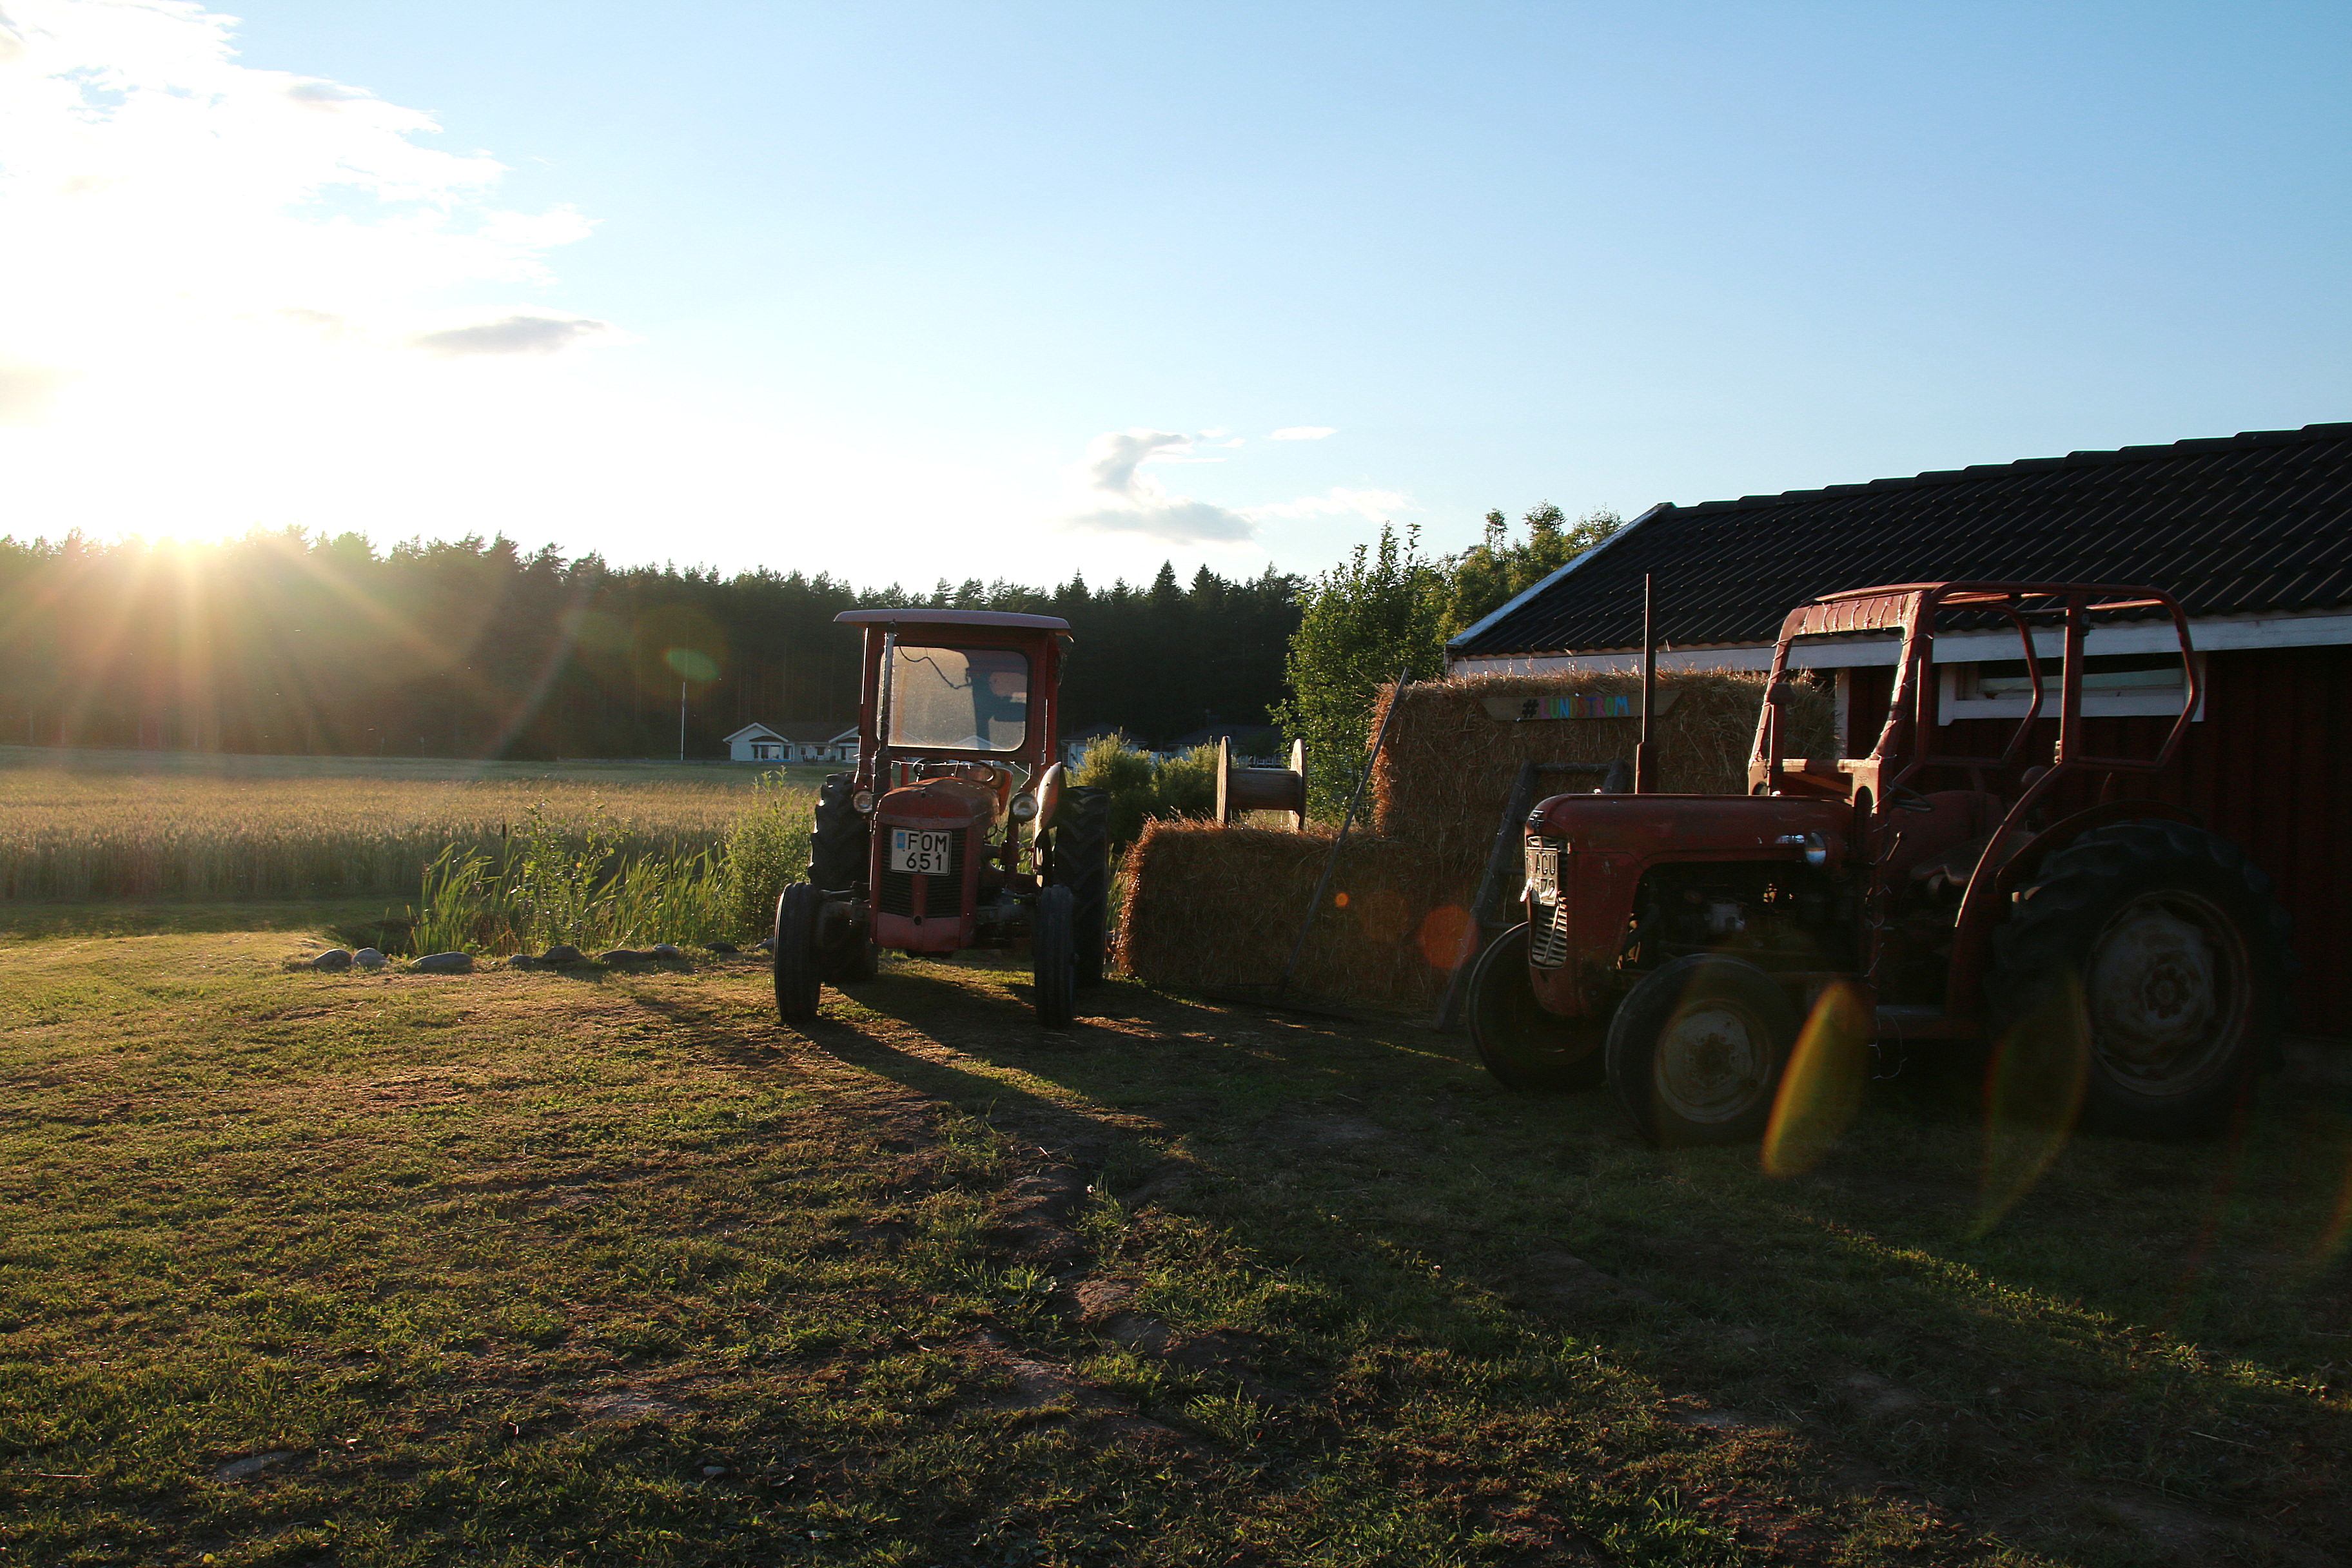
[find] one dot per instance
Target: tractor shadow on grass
(1901, 1299)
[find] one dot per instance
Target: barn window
(2121, 685)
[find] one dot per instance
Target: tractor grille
(895, 896)
(1548, 909)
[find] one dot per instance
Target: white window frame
(1957, 680)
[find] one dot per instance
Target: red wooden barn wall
(2270, 769)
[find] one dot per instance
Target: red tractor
(955, 831)
(1676, 945)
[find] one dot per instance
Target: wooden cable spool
(1243, 790)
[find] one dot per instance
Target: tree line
(303, 643)
(298, 642)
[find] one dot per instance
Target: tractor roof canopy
(920, 618)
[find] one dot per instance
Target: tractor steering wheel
(1902, 797)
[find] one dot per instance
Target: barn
(2251, 533)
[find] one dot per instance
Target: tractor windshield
(972, 699)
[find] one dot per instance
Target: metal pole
(1646, 756)
(681, 720)
(1332, 862)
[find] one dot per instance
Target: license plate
(1543, 869)
(924, 853)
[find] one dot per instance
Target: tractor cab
(954, 831)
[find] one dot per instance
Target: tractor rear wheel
(1523, 1046)
(2147, 963)
(1053, 960)
(798, 977)
(1696, 1049)
(838, 837)
(1082, 863)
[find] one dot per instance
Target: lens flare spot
(1339, 900)
(2331, 1243)
(2034, 1092)
(1448, 937)
(1822, 1088)
(690, 664)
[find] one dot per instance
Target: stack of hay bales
(1209, 906)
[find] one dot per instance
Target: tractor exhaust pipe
(1645, 755)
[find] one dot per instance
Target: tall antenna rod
(1645, 755)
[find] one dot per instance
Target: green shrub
(768, 846)
(1143, 787)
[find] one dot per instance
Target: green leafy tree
(1378, 611)
(1485, 577)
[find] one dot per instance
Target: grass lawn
(526, 1268)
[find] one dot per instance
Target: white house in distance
(794, 743)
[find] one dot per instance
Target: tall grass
(84, 836)
(564, 881)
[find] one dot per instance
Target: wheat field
(93, 825)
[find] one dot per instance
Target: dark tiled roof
(2257, 521)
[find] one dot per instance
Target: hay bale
(1448, 767)
(1209, 906)
(1213, 906)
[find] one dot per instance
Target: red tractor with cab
(955, 831)
(2012, 897)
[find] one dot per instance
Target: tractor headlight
(863, 800)
(1025, 806)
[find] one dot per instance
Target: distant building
(811, 741)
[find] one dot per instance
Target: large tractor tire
(1696, 1050)
(1053, 956)
(2147, 964)
(799, 972)
(838, 845)
(1081, 857)
(1520, 1044)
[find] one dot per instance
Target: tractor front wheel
(851, 956)
(1055, 963)
(1082, 863)
(1696, 1049)
(2145, 971)
(1518, 1042)
(799, 972)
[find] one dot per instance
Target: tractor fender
(1984, 908)
(2023, 865)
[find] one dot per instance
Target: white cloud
(516, 332)
(210, 270)
(1117, 497)
(1303, 433)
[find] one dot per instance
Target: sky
(899, 291)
